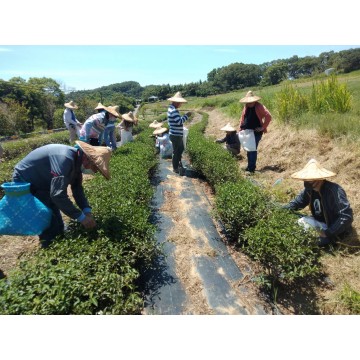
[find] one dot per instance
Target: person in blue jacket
(50, 169)
(331, 214)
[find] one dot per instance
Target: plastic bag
(185, 135)
(247, 139)
(21, 213)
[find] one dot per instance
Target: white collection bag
(185, 135)
(247, 139)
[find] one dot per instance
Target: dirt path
(198, 275)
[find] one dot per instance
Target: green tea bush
(209, 158)
(96, 271)
(239, 205)
(285, 250)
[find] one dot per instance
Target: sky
(159, 42)
(83, 67)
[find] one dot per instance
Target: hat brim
(155, 126)
(111, 111)
(312, 172)
(128, 118)
(98, 155)
(249, 99)
(67, 105)
(159, 131)
(176, 99)
(228, 128)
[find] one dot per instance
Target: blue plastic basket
(20, 212)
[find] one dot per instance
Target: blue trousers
(252, 155)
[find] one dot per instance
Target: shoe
(176, 171)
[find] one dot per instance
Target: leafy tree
(274, 74)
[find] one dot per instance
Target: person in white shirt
(165, 145)
(126, 127)
(70, 120)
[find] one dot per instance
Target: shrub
(285, 250)
(239, 205)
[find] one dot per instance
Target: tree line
(38, 102)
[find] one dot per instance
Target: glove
(88, 222)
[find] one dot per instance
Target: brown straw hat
(312, 171)
(155, 124)
(177, 98)
(249, 98)
(98, 155)
(228, 127)
(129, 117)
(160, 131)
(99, 106)
(111, 110)
(71, 105)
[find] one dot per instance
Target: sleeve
(59, 188)
(59, 196)
(342, 212)
(242, 117)
(300, 202)
(264, 116)
(88, 127)
(79, 195)
(176, 118)
(221, 140)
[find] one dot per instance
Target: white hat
(177, 98)
(228, 127)
(312, 171)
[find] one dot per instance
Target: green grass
(345, 125)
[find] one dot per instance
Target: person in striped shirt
(176, 127)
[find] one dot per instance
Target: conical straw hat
(312, 171)
(130, 117)
(155, 124)
(99, 106)
(71, 105)
(98, 155)
(249, 98)
(159, 131)
(111, 110)
(228, 127)
(177, 98)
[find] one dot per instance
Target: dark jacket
(336, 207)
(231, 139)
(51, 169)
